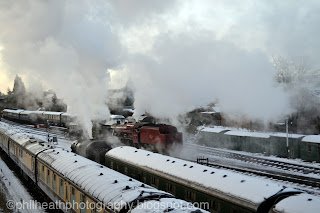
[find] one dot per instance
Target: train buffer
(203, 161)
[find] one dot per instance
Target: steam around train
(148, 135)
(157, 137)
(82, 185)
(142, 134)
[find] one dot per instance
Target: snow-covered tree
(295, 71)
(301, 82)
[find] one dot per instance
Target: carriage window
(67, 193)
(190, 195)
(48, 177)
(73, 195)
(154, 181)
(95, 210)
(83, 208)
(73, 191)
(309, 148)
(61, 188)
(138, 177)
(54, 182)
(234, 210)
(43, 173)
(212, 204)
(171, 187)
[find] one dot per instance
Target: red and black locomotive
(147, 135)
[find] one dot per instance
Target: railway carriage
(25, 116)
(12, 114)
(225, 191)
(278, 145)
(53, 118)
(35, 117)
(310, 148)
(4, 142)
(77, 181)
(65, 119)
(306, 147)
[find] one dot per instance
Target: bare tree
(301, 83)
(292, 71)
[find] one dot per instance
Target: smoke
(196, 53)
(177, 54)
(67, 46)
(198, 70)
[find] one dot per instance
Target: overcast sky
(181, 52)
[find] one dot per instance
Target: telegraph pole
(47, 126)
(287, 131)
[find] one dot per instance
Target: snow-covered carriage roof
(251, 190)
(245, 132)
(284, 135)
(26, 112)
(248, 134)
(52, 113)
(311, 139)
(17, 111)
(300, 203)
(216, 129)
(104, 184)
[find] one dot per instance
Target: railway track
(53, 131)
(303, 175)
(281, 165)
(306, 181)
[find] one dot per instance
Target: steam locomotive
(148, 135)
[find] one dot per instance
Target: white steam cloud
(177, 54)
(67, 46)
(201, 70)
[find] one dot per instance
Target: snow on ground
(262, 156)
(15, 191)
(202, 151)
(247, 132)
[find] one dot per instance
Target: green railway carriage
(214, 137)
(278, 145)
(248, 141)
(310, 148)
(222, 190)
(305, 147)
